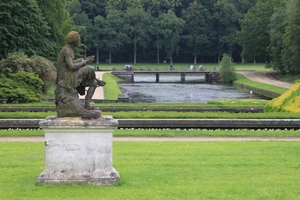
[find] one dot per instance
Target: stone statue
(73, 76)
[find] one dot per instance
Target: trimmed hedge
(287, 102)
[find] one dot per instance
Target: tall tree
(171, 27)
(115, 37)
(74, 7)
(227, 18)
(137, 28)
(276, 32)
(136, 22)
(197, 28)
(157, 38)
(156, 8)
(254, 37)
(99, 31)
(93, 8)
(291, 37)
(23, 28)
(58, 18)
(83, 25)
(243, 6)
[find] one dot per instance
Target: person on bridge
(200, 68)
(192, 67)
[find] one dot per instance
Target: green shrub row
(162, 115)
(287, 102)
(226, 103)
(165, 132)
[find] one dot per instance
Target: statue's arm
(78, 60)
(74, 64)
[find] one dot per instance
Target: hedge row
(287, 102)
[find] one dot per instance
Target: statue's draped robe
(70, 75)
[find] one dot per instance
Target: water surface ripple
(182, 92)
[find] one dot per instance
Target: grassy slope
(111, 90)
(263, 86)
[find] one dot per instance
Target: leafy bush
(287, 102)
(20, 87)
(44, 68)
(227, 70)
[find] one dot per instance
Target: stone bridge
(210, 76)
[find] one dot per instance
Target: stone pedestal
(79, 151)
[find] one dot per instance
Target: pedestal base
(95, 178)
(79, 151)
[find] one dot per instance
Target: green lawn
(241, 79)
(111, 90)
(166, 170)
(174, 132)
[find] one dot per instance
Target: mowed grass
(173, 133)
(166, 170)
(113, 91)
(242, 80)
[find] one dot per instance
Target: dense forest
(137, 31)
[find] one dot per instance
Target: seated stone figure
(72, 79)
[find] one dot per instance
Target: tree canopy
(23, 28)
(132, 31)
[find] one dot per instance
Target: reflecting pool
(183, 92)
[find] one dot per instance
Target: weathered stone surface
(78, 122)
(79, 151)
(95, 178)
(176, 123)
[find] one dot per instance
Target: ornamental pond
(170, 90)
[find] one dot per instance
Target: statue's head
(73, 37)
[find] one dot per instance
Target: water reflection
(180, 93)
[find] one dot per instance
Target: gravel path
(165, 139)
(264, 77)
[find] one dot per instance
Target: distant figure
(200, 68)
(128, 67)
(171, 68)
(165, 62)
(192, 68)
